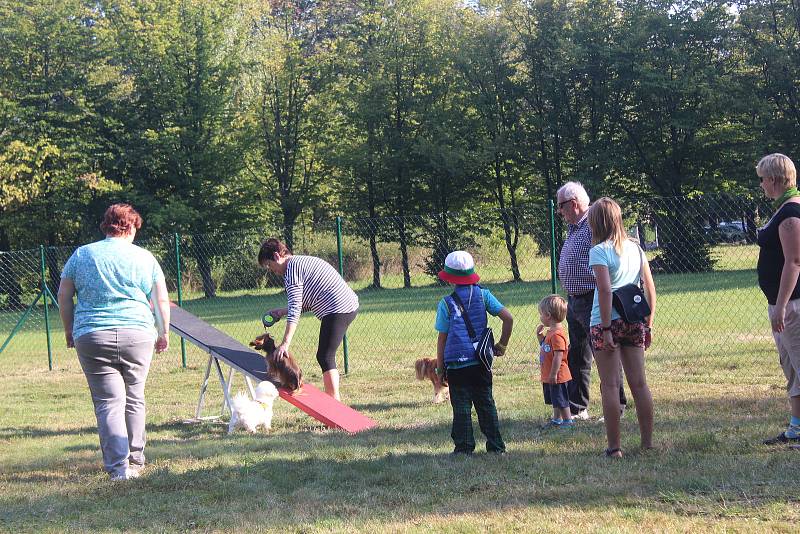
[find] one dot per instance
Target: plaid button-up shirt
(574, 272)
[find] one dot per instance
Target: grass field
(713, 370)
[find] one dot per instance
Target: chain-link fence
(710, 320)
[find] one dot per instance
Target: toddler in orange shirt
(553, 359)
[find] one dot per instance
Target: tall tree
(672, 67)
(289, 58)
(181, 61)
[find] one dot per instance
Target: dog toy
(268, 320)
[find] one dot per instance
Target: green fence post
(45, 293)
(341, 272)
(180, 291)
(551, 209)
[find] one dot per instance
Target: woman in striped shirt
(312, 284)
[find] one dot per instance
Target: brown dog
(284, 371)
(426, 368)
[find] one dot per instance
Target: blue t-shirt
(113, 281)
(622, 270)
(493, 306)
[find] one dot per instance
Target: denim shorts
(556, 395)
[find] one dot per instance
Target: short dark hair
(119, 219)
(269, 248)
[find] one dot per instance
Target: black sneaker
(781, 439)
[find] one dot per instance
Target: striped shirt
(313, 284)
(576, 277)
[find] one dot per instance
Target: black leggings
(331, 334)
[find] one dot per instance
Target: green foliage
(212, 115)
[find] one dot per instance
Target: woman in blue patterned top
(114, 332)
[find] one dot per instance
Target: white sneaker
(602, 419)
(582, 415)
(129, 474)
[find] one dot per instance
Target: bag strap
(464, 315)
(641, 264)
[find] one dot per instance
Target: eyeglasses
(561, 204)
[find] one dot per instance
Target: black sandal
(611, 452)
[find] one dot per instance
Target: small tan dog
(284, 371)
(426, 368)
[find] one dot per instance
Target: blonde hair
(554, 306)
(605, 221)
(778, 168)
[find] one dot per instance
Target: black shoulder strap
(464, 315)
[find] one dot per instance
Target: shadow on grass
(708, 455)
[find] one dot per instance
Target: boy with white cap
(470, 381)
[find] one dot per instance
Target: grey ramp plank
(219, 343)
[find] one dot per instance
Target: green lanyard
(789, 193)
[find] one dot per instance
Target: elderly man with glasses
(577, 280)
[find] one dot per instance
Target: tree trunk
(403, 238)
(373, 241)
(51, 262)
(9, 284)
(203, 257)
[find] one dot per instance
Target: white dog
(250, 414)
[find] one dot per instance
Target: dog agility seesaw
(223, 348)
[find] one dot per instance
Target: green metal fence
(710, 320)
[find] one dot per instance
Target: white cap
(459, 260)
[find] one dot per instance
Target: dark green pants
(472, 386)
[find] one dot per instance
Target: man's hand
(70, 341)
(778, 318)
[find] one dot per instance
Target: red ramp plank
(309, 399)
(325, 408)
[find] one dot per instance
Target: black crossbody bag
(484, 346)
(629, 300)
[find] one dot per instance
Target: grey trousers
(116, 363)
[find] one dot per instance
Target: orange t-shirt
(555, 340)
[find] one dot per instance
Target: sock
(793, 431)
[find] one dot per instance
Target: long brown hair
(605, 221)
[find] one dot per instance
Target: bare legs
(794, 404)
(608, 367)
(331, 380)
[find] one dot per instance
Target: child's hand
(540, 332)
(553, 380)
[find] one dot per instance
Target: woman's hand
(281, 351)
(648, 338)
(278, 313)
(778, 318)
(162, 343)
(608, 340)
